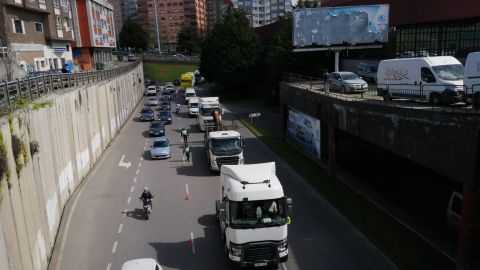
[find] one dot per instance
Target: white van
(437, 79)
(472, 77)
(189, 93)
(193, 106)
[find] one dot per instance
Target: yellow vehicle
(186, 81)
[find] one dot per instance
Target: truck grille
(209, 123)
(227, 161)
(259, 253)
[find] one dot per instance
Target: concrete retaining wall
(72, 133)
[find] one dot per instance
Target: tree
(133, 35)
(188, 40)
(230, 53)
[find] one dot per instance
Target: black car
(164, 106)
(157, 128)
(167, 95)
(176, 82)
(165, 117)
(146, 114)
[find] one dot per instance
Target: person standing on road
(184, 136)
(186, 152)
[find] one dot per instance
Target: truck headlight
(283, 246)
(169, 119)
(236, 251)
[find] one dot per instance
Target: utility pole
(156, 25)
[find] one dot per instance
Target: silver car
(160, 148)
(346, 82)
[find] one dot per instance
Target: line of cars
(160, 148)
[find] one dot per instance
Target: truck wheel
(435, 99)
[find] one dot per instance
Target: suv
(151, 90)
(368, 71)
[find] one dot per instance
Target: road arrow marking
(126, 165)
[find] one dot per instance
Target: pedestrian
(186, 152)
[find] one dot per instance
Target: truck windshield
(257, 214)
(226, 147)
(189, 94)
(449, 72)
(207, 111)
(193, 105)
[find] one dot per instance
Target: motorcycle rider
(177, 107)
(146, 197)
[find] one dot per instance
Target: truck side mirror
(289, 206)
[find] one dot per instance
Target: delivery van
(438, 79)
(472, 78)
(189, 93)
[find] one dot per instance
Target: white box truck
(223, 147)
(193, 106)
(205, 107)
(472, 78)
(253, 213)
(437, 79)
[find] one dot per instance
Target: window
(58, 22)
(18, 26)
(67, 47)
(56, 3)
(39, 27)
(427, 75)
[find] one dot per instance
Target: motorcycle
(147, 208)
(177, 109)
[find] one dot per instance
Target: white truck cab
(223, 147)
(189, 93)
(253, 213)
(205, 107)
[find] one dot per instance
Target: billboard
(340, 25)
(305, 131)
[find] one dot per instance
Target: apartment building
(37, 32)
(95, 31)
(117, 15)
(263, 12)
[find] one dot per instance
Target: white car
(141, 264)
(151, 90)
(153, 101)
(169, 87)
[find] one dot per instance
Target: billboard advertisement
(305, 131)
(340, 25)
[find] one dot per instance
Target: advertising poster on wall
(305, 131)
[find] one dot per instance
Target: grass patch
(165, 71)
(406, 249)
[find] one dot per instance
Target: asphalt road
(106, 228)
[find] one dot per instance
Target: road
(103, 227)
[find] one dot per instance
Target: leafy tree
(188, 40)
(133, 35)
(230, 53)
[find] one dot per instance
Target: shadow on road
(137, 213)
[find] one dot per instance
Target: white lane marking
(146, 143)
(186, 187)
(109, 266)
(129, 199)
(140, 164)
(193, 242)
(126, 165)
(120, 228)
(145, 148)
(141, 158)
(125, 212)
(135, 180)
(137, 171)
(114, 249)
(132, 188)
(284, 267)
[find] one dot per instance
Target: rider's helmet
(145, 189)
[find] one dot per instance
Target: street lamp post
(156, 25)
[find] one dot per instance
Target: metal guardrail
(405, 96)
(33, 88)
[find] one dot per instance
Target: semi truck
(253, 213)
(206, 105)
(223, 146)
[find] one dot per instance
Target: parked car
(347, 82)
(153, 101)
(165, 106)
(165, 117)
(368, 71)
(151, 90)
(131, 58)
(156, 128)
(160, 148)
(141, 264)
(147, 114)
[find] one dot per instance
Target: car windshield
(207, 111)
(146, 111)
(349, 76)
(193, 105)
(449, 72)
(164, 114)
(160, 144)
(190, 94)
(156, 125)
(262, 213)
(224, 147)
